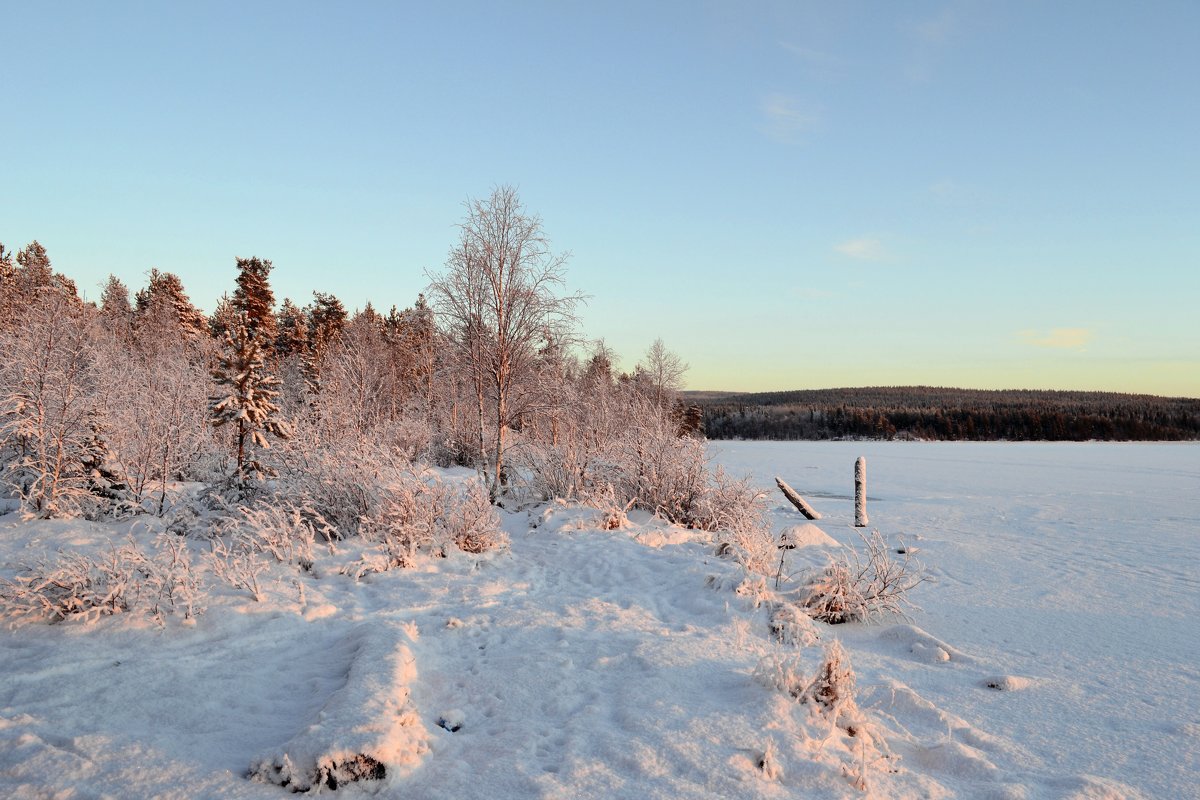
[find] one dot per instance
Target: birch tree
(47, 379)
(500, 297)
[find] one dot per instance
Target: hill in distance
(928, 412)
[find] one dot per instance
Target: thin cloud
(946, 190)
(941, 27)
(932, 36)
(785, 119)
(1058, 338)
(818, 61)
(864, 249)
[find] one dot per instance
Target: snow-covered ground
(624, 663)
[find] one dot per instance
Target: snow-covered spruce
(367, 729)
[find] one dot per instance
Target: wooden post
(795, 499)
(860, 492)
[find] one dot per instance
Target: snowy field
(1055, 653)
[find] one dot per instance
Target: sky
(790, 194)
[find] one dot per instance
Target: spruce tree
(246, 397)
(115, 309)
(291, 327)
(165, 288)
(326, 320)
(222, 319)
(8, 288)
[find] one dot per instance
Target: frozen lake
(1074, 565)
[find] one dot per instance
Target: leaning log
(796, 500)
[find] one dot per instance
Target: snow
(1054, 654)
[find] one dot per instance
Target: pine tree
(103, 479)
(254, 298)
(326, 321)
(8, 270)
(246, 397)
(114, 299)
(36, 273)
(35, 268)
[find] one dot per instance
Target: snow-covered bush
(238, 564)
(661, 473)
(335, 482)
(729, 504)
(447, 449)
(284, 529)
(471, 522)
(790, 625)
(861, 587)
(782, 672)
(170, 582)
(612, 515)
(413, 514)
(735, 511)
(831, 690)
(405, 518)
(77, 586)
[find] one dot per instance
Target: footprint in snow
(452, 720)
(1007, 683)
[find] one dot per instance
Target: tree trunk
(860, 493)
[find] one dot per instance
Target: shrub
(237, 563)
(76, 586)
(414, 514)
(471, 522)
(832, 688)
(335, 483)
(862, 587)
(781, 672)
(284, 528)
(790, 625)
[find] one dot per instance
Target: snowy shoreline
(598, 663)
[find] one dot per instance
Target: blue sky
(791, 195)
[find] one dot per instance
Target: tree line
(103, 406)
(925, 412)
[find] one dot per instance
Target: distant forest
(924, 412)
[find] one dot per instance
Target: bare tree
(47, 381)
(499, 298)
(155, 389)
(664, 371)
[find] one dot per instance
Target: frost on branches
(246, 399)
